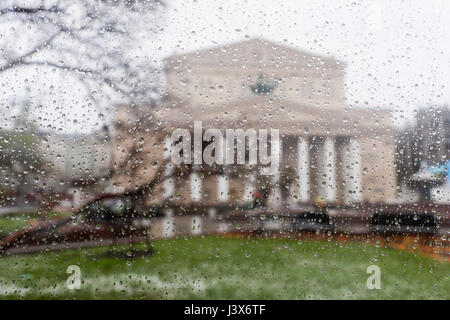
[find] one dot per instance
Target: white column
(303, 169)
(275, 200)
(351, 163)
(294, 197)
(250, 188)
(169, 182)
(196, 225)
(223, 188)
(76, 198)
(196, 186)
(330, 169)
(168, 225)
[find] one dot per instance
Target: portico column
(352, 166)
(330, 169)
(275, 198)
(250, 187)
(223, 188)
(168, 183)
(195, 185)
(303, 169)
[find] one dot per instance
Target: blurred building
(81, 158)
(433, 131)
(425, 144)
(329, 151)
(426, 141)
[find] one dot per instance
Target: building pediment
(239, 71)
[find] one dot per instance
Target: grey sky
(397, 52)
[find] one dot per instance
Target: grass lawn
(224, 268)
(11, 223)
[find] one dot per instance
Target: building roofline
(309, 53)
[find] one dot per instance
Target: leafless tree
(90, 39)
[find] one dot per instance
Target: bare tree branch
(20, 60)
(109, 81)
(94, 47)
(26, 10)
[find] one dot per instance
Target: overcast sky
(397, 52)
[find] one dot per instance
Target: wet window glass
(168, 149)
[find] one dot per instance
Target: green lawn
(16, 222)
(218, 268)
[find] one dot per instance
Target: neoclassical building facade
(329, 152)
